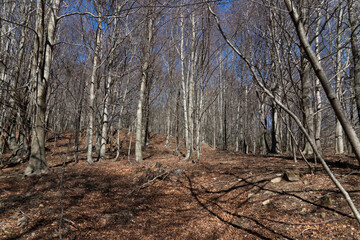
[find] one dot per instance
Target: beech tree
(143, 84)
(95, 66)
(40, 73)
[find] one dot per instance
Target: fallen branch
(148, 182)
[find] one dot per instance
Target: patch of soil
(226, 196)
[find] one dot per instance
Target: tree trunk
(118, 140)
(78, 121)
(214, 128)
(198, 121)
(177, 110)
(184, 82)
(105, 120)
(275, 129)
(263, 148)
(37, 162)
(168, 121)
(96, 60)
(318, 113)
(143, 83)
(237, 125)
(146, 114)
(339, 141)
(306, 91)
(307, 103)
(191, 113)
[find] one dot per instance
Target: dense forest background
(243, 76)
(164, 67)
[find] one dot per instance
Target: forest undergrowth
(226, 196)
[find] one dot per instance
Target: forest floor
(226, 196)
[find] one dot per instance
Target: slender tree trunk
(105, 120)
(198, 122)
(177, 110)
(318, 113)
(168, 121)
(78, 121)
(237, 132)
(214, 128)
(184, 83)
(191, 113)
(143, 83)
(118, 140)
(264, 148)
(92, 90)
(146, 114)
(306, 91)
(222, 104)
(339, 141)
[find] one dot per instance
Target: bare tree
(95, 66)
(143, 83)
(40, 72)
(339, 142)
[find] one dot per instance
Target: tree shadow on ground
(209, 200)
(91, 204)
(255, 231)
